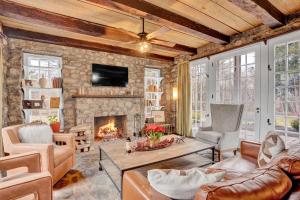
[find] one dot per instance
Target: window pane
(250, 58)
(33, 62)
(293, 79)
(280, 94)
(280, 51)
(280, 123)
(279, 108)
(280, 79)
(293, 108)
(293, 94)
(251, 70)
(280, 65)
(293, 48)
(293, 124)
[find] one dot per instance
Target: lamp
(175, 93)
(144, 46)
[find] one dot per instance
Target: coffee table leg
(100, 166)
(213, 155)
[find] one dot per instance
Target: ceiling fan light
(144, 46)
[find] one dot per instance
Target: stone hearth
(87, 109)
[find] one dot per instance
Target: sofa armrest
(68, 138)
(137, 187)
(31, 160)
(39, 184)
(249, 150)
(46, 151)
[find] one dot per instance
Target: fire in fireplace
(110, 127)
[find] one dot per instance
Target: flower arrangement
(154, 133)
(54, 123)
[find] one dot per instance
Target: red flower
(155, 128)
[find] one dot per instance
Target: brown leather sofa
(280, 179)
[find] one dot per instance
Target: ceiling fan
(145, 41)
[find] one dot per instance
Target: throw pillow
(270, 147)
(36, 134)
(181, 184)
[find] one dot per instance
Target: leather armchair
(32, 184)
(58, 161)
(225, 128)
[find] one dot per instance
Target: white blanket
(181, 184)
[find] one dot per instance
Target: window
(287, 88)
(236, 84)
(199, 90)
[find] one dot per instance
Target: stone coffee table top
(115, 151)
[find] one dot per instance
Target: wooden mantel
(105, 96)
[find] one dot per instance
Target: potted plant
(54, 123)
(154, 132)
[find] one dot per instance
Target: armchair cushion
(209, 136)
(36, 134)
(226, 117)
(62, 153)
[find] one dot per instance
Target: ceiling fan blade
(162, 42)
(158, 32)
(131, 42)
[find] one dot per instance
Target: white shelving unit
(35, 66)
(153, 90)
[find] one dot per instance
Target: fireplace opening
(110, 127)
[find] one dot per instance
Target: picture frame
(158, 116)
(32, 104)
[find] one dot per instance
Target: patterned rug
(85, 181)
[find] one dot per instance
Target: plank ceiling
(226, 17)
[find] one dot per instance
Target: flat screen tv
(108, 75)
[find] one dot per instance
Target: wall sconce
(175, 93)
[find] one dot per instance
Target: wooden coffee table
(118, 161)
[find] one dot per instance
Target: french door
(237, 81)
(284, 75)
(199, 74)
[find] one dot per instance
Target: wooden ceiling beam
(63, 41)
(41, 17)
(163, 17)
(263, 10)
(36, 16)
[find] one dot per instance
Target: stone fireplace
(110, 127)
(100, 111)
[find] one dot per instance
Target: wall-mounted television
(108, 75)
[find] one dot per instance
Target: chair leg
(219, 155)
(234, 152)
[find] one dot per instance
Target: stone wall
(76, 73)
(4, 91)
(88, 109)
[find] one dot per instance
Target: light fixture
(144, 46)
(175, 93)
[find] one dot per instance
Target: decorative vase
(154, 142)
(43, 82)
(55, 127)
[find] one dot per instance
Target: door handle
(257, 110)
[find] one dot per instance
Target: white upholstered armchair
(225, 127)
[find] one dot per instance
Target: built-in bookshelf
(42, 84)
(153, 90)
